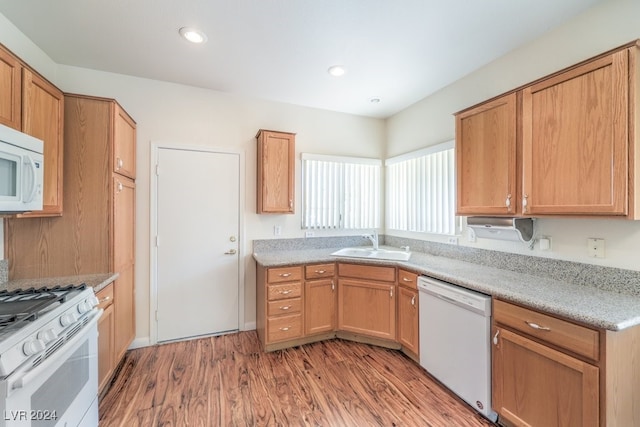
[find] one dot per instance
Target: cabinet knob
(290, 203)
(333, 286)
(508, 202)
(119, 163)
(120, 187)
(525, 202)
(413, 301)
(285, 292)
(286, 307)
(391, 292)
(285, 274)
(105, 299)
(320, 271)
(286, 328)
(495, 337)
(405, 279)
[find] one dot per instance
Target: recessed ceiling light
(336, 70)
(374, 100)
(193, 35)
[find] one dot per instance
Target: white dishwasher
(455, 340)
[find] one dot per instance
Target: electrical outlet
(595, 247)
(309, 234)
(452, 240)
(544, 243)
(277, 230)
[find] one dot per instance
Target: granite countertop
(95, 281)
(583, 303)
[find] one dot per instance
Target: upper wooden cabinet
(10, 90)
(43, 117)
(31, 104)
(124, 143)
(564, 145)
(276, 172)
(575, 140)
(486, 158)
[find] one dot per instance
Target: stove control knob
(67, 319)
(47, 335)
(32, 347)
(84, 306)
(93, 300)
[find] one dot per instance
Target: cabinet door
(124, 209)
(534, 385)
(276, 166)
(367, 308)
(320, 306)
(105, 346)
(10, 95)
(124, 314)
(575, 140)
(43, 118)
(124, 143)
(408, 322)
(486, 158)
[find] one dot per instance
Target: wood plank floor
(229, 381)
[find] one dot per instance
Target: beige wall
(430, 121)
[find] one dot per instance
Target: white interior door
(198, 195)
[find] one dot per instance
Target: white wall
(430, 121)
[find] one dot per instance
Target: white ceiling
(397, 50)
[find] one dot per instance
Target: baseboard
(249, 326)
(140, 342)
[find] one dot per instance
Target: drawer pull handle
(286, 307)
(495, 337)
(286, 328)
(413, 301)
(333, 286)
(287, 292)
(404, 279)
(105, 299)
(321, 271)
(285, 274)
(537, 327)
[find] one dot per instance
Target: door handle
(231, 252)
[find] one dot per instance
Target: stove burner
(20, 306)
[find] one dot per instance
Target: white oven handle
(62, 354)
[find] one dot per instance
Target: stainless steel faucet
(374, 239)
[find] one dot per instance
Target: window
(421, 191)
(340, 192)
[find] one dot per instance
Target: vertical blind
(421, 191)
(340, 192)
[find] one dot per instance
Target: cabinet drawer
(407, 279)
(284, 274)
(319, 271)
(286, 290)
(578, 339)
(386, 274)
(284, 306)
(105, 296)
(284, 327)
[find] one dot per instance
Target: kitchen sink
(371, 253)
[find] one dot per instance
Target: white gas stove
(48, 356)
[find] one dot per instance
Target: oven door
(61, 390)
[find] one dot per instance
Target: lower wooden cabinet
(535, 385)
(408, 318)
(124, 312)
(320, 299)
(539, 377)
(367, 308)
(106, 334)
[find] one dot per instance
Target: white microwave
(21, 171)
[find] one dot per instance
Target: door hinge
(157, 170)
(157, 241)
(156, 315)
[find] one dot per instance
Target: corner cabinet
(276, 172)
(563, 145)
(367, 300)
